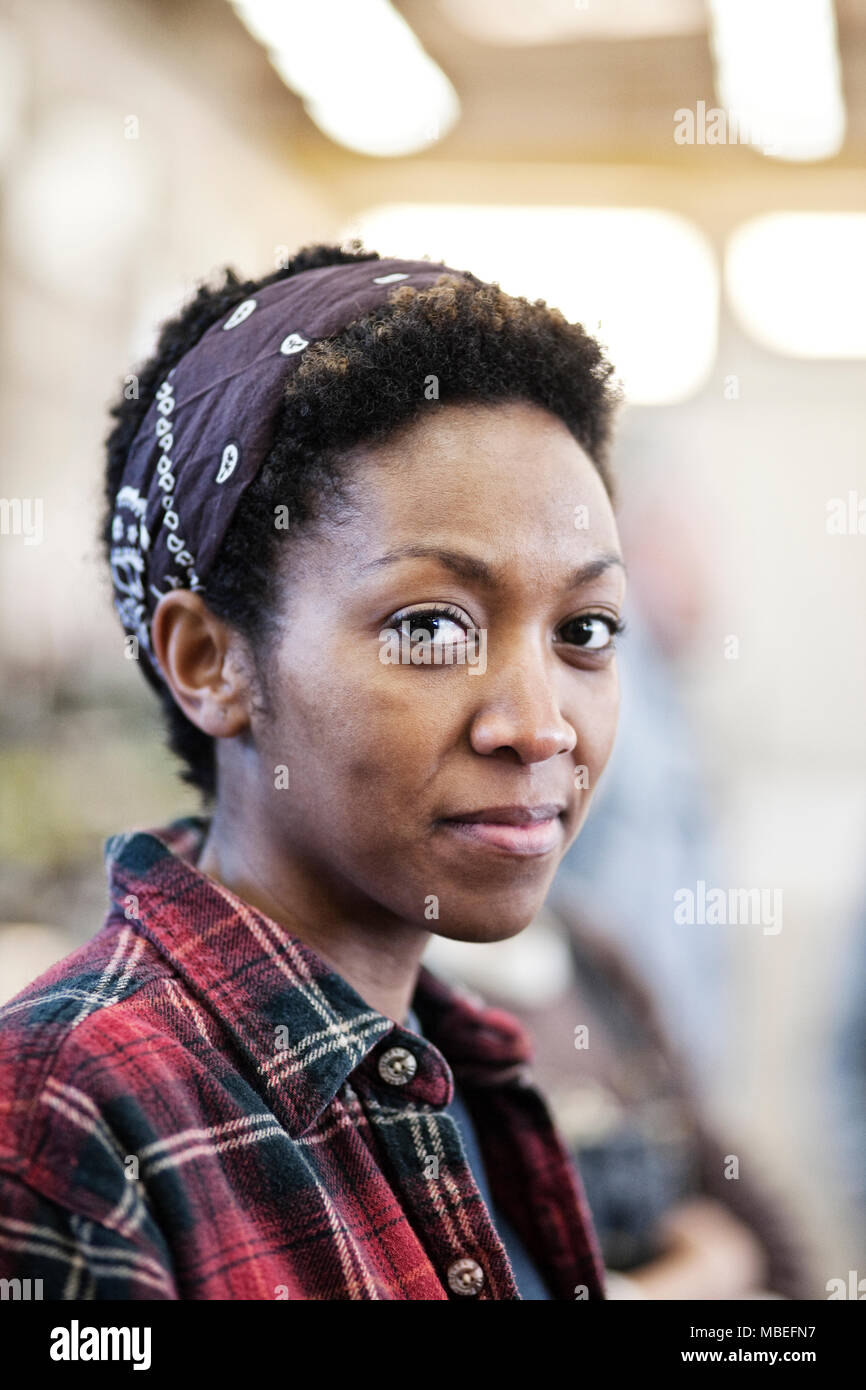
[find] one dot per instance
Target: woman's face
(485, 518)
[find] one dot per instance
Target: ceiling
(581, 99)
(595, 97)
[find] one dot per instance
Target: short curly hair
(482, 345)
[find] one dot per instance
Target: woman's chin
(493, 928)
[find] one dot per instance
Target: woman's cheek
(596, 725)
(399, 737)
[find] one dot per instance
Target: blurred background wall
(565, 150)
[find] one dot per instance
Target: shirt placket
(404, 1085)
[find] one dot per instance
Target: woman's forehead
(513, 461)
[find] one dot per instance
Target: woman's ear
(204, 666)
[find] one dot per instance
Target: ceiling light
(642, 280)
(362, 74)
(778, 73)
(795, 281)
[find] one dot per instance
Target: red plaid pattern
(193, 1105)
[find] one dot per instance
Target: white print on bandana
(293, 343)
(132, 539)
(228, 462)
(388, 279)
(127, 565)
(242, 312)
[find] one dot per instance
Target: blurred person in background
(678, 1214)
(844, 1071)
(654, 830)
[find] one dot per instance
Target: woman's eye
(441, 630)
(590, 632)
(439, 626)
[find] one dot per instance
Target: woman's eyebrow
(472, 568)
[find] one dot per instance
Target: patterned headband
(209, 428)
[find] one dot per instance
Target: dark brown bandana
(209, 428)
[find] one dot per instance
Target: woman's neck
(376, 952)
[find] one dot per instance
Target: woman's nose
(521, 713)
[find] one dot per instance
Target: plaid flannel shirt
(194, 1105)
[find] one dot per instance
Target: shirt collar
(304, 1027)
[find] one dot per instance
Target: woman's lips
(515, 829)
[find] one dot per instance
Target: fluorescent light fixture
(649, 278)
(362, 74)
(778, 72)
(795, 281)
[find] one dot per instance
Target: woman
(361, 539)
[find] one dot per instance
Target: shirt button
(465, 1276)
(397, 1066)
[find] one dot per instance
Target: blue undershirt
(529, 1282)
